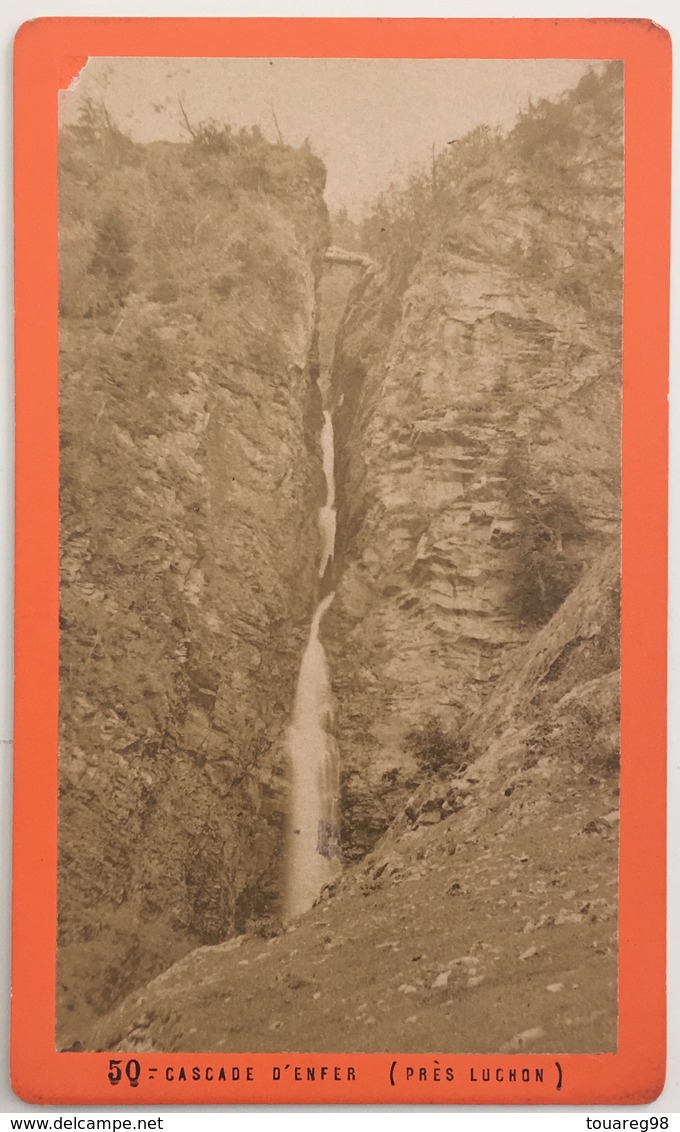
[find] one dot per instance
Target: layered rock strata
(477, 418)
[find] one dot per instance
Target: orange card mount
(341, 561)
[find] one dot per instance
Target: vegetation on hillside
(544, 162)
(161, 219)
(436, 750)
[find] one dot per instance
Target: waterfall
(313, 850)
(327, 512)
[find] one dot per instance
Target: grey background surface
(15, 12)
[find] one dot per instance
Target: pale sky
(368, 119)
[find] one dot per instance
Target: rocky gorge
(472, 640)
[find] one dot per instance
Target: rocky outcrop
(556, 702)
(477, 420)
(484, 921)
(190, 474)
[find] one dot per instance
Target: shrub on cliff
(96, 126)
(547, 130)
(81, 295)
(544, 572)
(111, 257)
(546, 555)
(584, 729)
(436, 750)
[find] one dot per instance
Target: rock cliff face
(486, 918)
(190, 474)
(473, 641)
(476, 387)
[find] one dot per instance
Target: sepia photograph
(340, 374)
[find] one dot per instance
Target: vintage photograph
(340, 522)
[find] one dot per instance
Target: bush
(80, 294)
(436, 750)
(547, 131)
(586, 734)
(111, 257)
(544, 570)
(546, 557)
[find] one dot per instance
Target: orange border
(48, 52)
